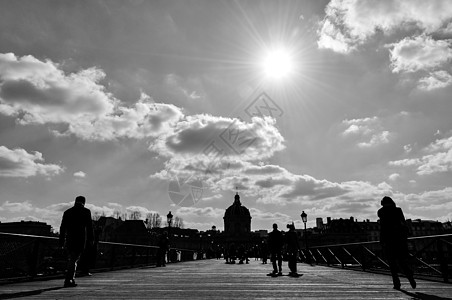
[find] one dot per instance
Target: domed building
(237, 221)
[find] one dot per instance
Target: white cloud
(438, 159)
(376, 139)
(350, 23)
(80, 174)
(367, 132)
(20, 163)
(44, 93)
(419, 53)
(135, 208)
(332, 37)
(202, 143)
(205, 212)
(258, 214)
(189, 88)
(39, 92)
(405, 162)
(435, 80)
(408, 148)
(394, 176)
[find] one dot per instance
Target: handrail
(428, 251)
(100, 242)
(376, 242)
(29, 256)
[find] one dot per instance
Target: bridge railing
(431, 256)
(31, 256)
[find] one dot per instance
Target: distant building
(133, 232)
(27, 227)
(319, 223)
(106, 228)
(341, 231)
(420, 227)
(262, 233)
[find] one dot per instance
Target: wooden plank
(213, 279)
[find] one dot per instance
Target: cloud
(39, 92)
(408, 148)
(20, 163)
(313, 189)
(80, 174)
(135, 208)
(42, 91)
(367, 132)
(419, 28)
(204, 212)
(438, 158)
(258, 214)
(412, 54)
(203, 134)
(190, 88)
(202, 144)
(145, 119)
(350, 23)
(435, 80)
(394, 176)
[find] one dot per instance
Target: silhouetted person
(76, 233)
(292, 249)
(163, 248)
(393, 239)
(275, 244)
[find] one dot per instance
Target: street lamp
(169, 219)
(304, 218)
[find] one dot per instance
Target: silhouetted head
(387, 201)
(275, 226)
(80, 200)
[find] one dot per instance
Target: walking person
(76, 234)
(292, 250)
(393, 239)
(275, 245)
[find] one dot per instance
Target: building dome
(237, 209)
(237, 218)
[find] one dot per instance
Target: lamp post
(304, 218)
(169, 220)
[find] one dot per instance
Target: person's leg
(292, 263)
(273, 260)
(280, 263)
(394, 273)
(403, 263)
(73, 257)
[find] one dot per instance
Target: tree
(135, 215)
(154, 220)
(117, 214)
(178, 222)
(96, 215)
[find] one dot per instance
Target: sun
(278, 63)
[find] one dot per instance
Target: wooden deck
(213, 279)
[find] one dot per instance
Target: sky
(156, 106)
